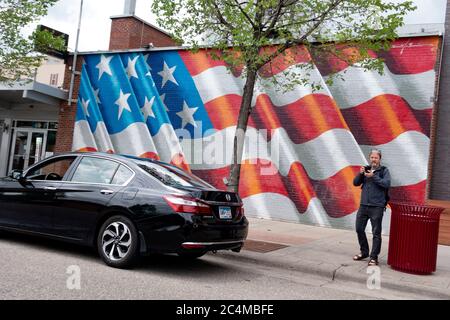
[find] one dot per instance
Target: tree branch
(245, 14)
(274, 19)
(290, 44)
(220, 16)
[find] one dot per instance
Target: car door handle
(106, 192)
(50, 188)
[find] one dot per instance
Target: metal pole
(74, 64)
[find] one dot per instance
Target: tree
(253, 33)
(18, 57)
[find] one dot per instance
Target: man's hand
(369, 174)
(362, 170)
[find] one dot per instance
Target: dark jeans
(375, 214)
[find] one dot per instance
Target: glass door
(27, 148)
(19, 150)
(36, 150)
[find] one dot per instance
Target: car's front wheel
(118, 242)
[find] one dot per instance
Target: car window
(95, 170)
(122, 175)
(51, 170)
(170, 176)
(193, 179)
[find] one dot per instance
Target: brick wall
(133, 33)
(66, 121)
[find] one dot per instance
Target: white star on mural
(163, 97)
(147, 109)
(97, 98)
(122, 102)
(103, 66)
(187, 115)
(85, 105)
(167, 75)
(149, 74)
(131, 68)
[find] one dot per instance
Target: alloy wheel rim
(116, 241)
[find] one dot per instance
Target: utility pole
(75, 56)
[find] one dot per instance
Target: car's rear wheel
(118, 242)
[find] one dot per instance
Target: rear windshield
(172, 176)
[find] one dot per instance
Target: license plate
(225, 213)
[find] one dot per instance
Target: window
(123, 174)
(171, 176)
(51, 170)
(54, 79)
(95, 170)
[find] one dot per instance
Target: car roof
(122, 157)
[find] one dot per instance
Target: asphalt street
(34, 268)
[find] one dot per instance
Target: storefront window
(31, 142)
(31, 124)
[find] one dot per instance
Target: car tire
(191, 255)
(118, 242)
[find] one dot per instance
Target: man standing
(375, 180)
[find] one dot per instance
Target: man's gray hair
(375, 151)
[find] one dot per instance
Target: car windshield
(171, 175)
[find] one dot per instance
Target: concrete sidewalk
(328, 253)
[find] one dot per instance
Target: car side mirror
(17, 174)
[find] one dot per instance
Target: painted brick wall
(324, 136)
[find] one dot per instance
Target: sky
(96, 22)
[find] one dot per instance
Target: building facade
(180, 107)
(29, 112)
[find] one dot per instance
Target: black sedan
(124, 206)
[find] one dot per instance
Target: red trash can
(413, 238)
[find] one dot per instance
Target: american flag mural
(182, 107)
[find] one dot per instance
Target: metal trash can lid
(416, 209)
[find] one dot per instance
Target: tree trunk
(239, 137)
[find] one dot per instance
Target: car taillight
(183, 204)
(239, 212)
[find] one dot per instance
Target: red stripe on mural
(223, 111)
(149, 155)
(262, 177)
(338, 195)
(406, 56)
(412, 55)
(87, 149)
(292, 56)
(180, 161)
(304, 119)
(329, 63)
(410, 194)
(201, 61)
(385, 117)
